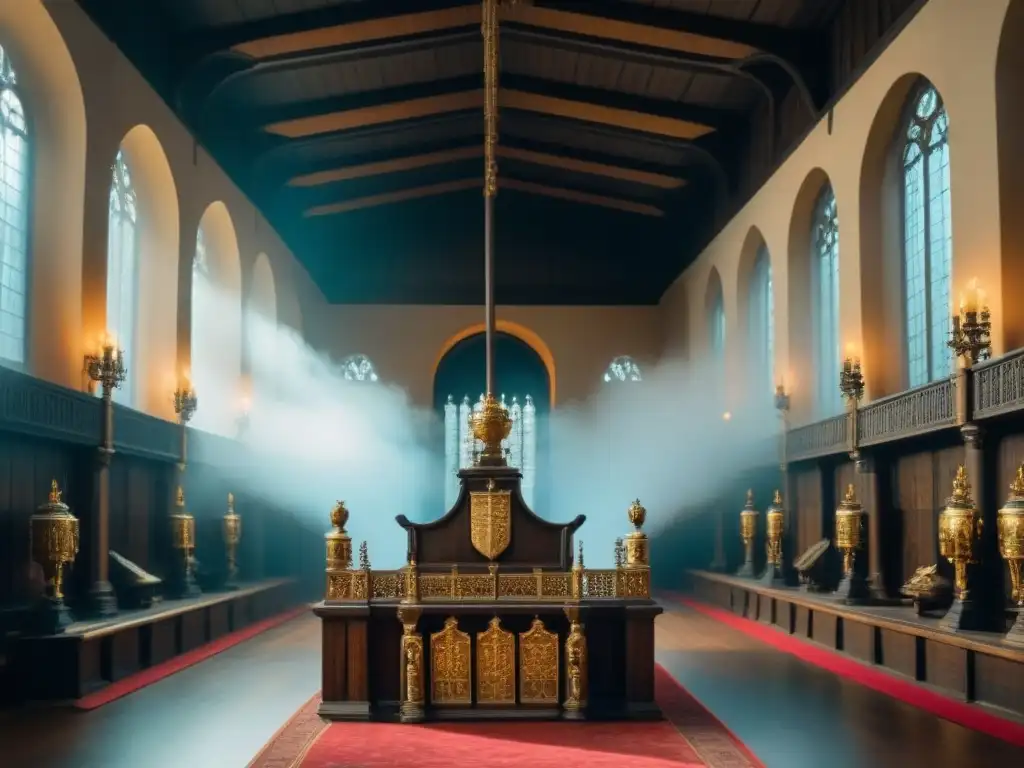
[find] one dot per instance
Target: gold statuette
(54, 539)
(538, 665)
(1010, 522)
(748, 532)
(490, 520)
(450, 666)
(959, 526)
(411, 674)
(576, 671)
(495, 665)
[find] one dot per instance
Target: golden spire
(231, 502)
(179, 500)
(1017, 486)
(489, 29)
(750, 496)
(850, 497)
(777, 501)
(55, 492)
(961, 486)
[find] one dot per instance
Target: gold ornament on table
(849, 541)
(1010, 523)
(959, 531)
(54, 546)
(232, 536)
(183, 539)
(774, 519)
(491, 425)
(748, 532)
(339, 555)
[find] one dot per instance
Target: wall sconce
(971, 335)
(107, 366)
(185, 401)
(781, 398)
(851, 380)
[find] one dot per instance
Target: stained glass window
(14, 194)
(825, 278)
(122, 268)
(623, 368)
(762, 321)
(358, 368)
(927, 238)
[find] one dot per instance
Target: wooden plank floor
(219, 713)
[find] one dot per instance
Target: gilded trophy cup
(1010, 524)
(183, 541)
(748, 532)
(853, 587)
(54, 545)
(774, 518)
(232, 536)
(959, 533)
(491, 425)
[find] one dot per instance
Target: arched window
(122, 268)
(762, 321)
(623, 368)
(927, 238)
(716, 325)
(358, 368)
(825, 275)
(204, 317)
(14, 193)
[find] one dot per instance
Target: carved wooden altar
(492, 617)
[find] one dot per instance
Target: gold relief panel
(538, 665)
(450, 665)
(490, 521)
(339, 586)
(556, 585)
(495, 665)
(635, 582)
(518, 585)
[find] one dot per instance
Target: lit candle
(970, 304)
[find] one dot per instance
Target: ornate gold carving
(774, 523)
(450, 665)
(495, 665)
(576, 670)
(538, 665)
(636, 542)
(1010, 523)
(849, 528)
(411, 707)
(518, 585)
(601, 583)
(490, 521)
(959, 527)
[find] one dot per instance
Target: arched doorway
(521, 377)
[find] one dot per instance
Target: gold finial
(777, 501)
(579, 560)
(1017, 486)
(850, 497)
(364, 557)
(750, 497)
(339, 516)
(620, 554)
(636, 514)
(179, 499)
(231, 502)
(55, 492)
(961, 486)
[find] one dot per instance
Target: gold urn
(183, 539)
(637, 554)
(748, 532)
(849, 529)
(54, 542)
(339, 553)
(959, 531)
(490, 425)
(1010, 524)
(232, 536)
(774, 520)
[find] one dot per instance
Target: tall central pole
(489, 28)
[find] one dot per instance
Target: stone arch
(55, 109)
(798, 272)
(752, 246)
(519, 331)
(1010, 149)
(263, 290)
(157, 276)
(714, 294)
(881, 239)
(216, 323)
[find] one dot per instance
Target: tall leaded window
(122, 266)
(762, 321)
(14, 193)
(358, 368)
(716, 324)
(927, 238)
(825, 279)
(623, 368)
(204, 318)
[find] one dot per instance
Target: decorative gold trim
(495, 665)
(490, 522)
(576, 663)
(538, 665)
(450, 669)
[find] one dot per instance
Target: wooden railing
(998, 386)
(822, 438)
(915, 412)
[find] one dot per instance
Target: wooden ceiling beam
(424, 160)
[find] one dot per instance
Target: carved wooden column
(986, 576)
(102, 600)
(869, 491)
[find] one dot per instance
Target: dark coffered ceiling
(356, 127)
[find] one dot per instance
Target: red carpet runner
(690, 738)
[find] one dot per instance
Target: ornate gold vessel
(183, 539)
(54, 545)
(339, 554)
(491, 424)
(774, 519)
(959, 531)
(748, 532)
(232, 536)
(1010, 524)
(849, 541)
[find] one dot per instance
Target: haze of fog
(316, 438)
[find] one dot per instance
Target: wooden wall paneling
(807, 507)
(914, 503)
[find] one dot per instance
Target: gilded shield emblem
(490, 521)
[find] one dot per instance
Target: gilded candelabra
(183, 540)
(107, 368)
(232, 536)
(748, 532)
(185, 403)
(850, 541)
(1010, 523)
(774, 518)
(959, 532)
(971, 334)
(54, 545)
(851, 380)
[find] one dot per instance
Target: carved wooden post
(869, 491)
(987, 578)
